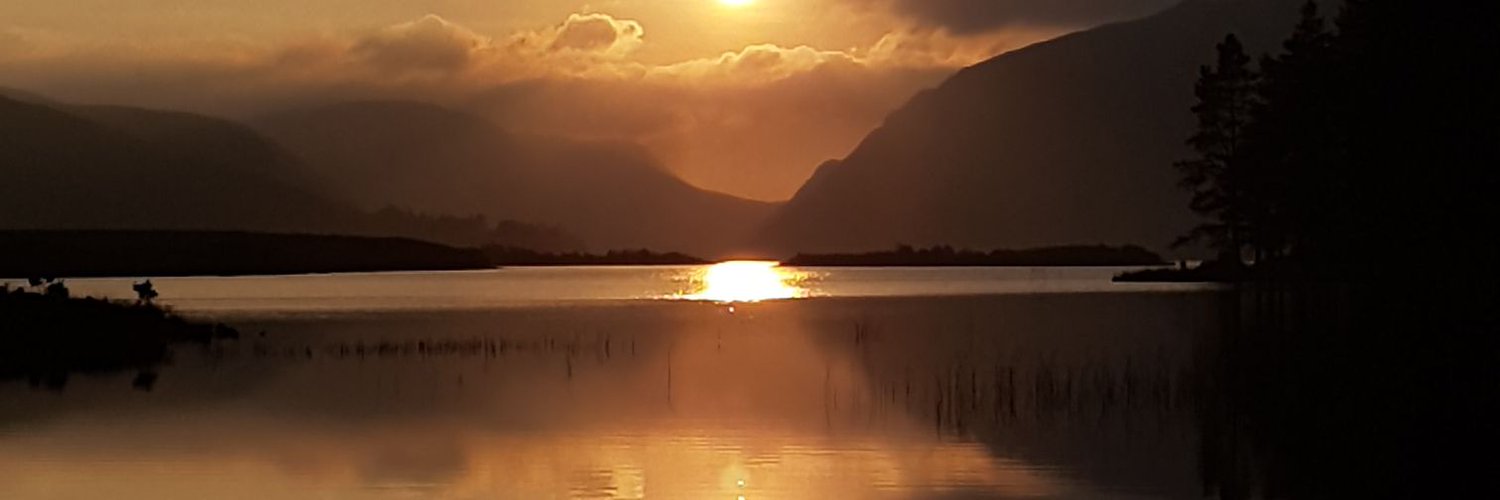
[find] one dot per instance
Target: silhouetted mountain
(26, 96)
(78, 254)
(1067, 140)
(210, 144)
(109, 167)
(65, 171)
(434, 159)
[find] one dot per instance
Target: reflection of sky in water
(524, 287)
(662, 399)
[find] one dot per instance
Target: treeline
(77, 254)
(1366, 143)
(512, 256)
(1356, 171)
(1075, 255)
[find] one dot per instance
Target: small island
(945, 256)
(45, 334)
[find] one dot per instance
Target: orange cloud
(598, 33)
(756, 64)
(427, 44)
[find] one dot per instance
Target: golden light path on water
(746, 281)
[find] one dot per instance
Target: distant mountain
(26, 96)
(65, 171)
(80, 254)
(212, 144)
(1063, 142)
(107, 167)
(439, 160)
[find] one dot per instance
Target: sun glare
(746, 281)
(736, 3)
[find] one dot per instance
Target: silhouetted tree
(57, 289)
(1299, 175)
(145, 292)
(1218, 176)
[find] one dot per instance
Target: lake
(641, 382)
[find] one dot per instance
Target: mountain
(435, 159)
(118, 168)
(1063, 142)
(80, 254)
(26, 96)
(211, 144)
(65, 171)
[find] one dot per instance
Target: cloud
(916, 48)
(598, 33)
(428, 44)
(754, 64)
(754, 122)
(968, 17)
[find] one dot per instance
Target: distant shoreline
(1207, 272)
(943, 256)
(50, 335)
(501, 256)
(85, 254)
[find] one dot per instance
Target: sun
(736, 3)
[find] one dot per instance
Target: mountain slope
(1067, 141)
(64, 171)
(434, 159)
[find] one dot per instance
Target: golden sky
(746, 99)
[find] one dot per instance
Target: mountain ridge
(434, 158)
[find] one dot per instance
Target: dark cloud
(978, 16)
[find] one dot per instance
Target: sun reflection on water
(746, 281)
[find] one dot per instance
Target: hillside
(1064, 142)
(64, 171)
(78, 254)
(439, 160)
(110, 167)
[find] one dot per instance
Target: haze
(744, 99)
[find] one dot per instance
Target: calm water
(612, 383)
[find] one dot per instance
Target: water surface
(606, 383)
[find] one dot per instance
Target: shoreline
(46, 337)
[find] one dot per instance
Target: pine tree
(1218, 177)
(1295, 145)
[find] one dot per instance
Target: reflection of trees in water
(1106, 398)
(1358, 391)
(601, 346)
(969, 395)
